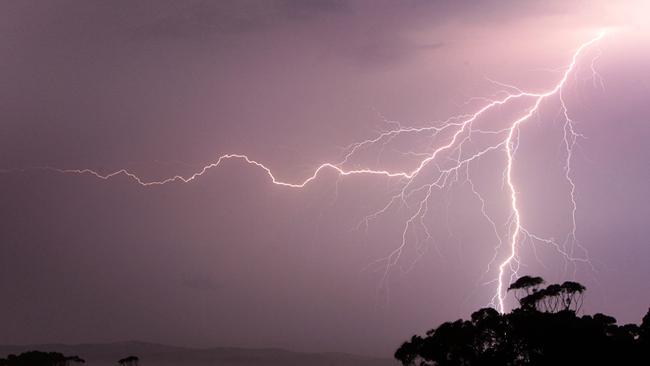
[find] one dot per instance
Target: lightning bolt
(442, 163)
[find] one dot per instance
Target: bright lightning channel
(462, 129)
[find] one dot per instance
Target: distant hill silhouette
(151, 354)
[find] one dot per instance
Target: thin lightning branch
(440, 166)
(510, 154)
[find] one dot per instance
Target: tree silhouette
(544, 330)
(129, 361)
(37, 358)
(572, 292)
(644, 329)
(525, 285)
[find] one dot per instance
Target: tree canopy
(129, 361)
(37, 358)
(544, 330)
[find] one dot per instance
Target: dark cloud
(208, 18)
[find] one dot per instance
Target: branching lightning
(445, 162)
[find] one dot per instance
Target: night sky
(162, 88)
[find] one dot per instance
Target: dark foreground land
(161, 355)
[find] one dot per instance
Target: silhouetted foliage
(545, 330)
(567, 296)
(129, 361)
(525, 285)
(37, 358)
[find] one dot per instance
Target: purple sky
(164, 87)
